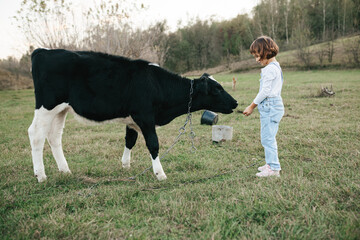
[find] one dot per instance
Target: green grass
(317, 196)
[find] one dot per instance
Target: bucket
(209, 118)
(221, 133)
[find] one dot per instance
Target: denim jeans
(271, 112)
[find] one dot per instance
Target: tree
(47, 23)
(352, 50)
(286, 17)
(160, 43)
(25, 62)
(106, 29)
(234, 37)
(179, 55)
(54, 24)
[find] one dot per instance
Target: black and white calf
(101, 87)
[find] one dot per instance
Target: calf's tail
(35, 64)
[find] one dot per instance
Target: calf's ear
(205, 75)
(201, 86)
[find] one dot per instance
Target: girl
(269, 102)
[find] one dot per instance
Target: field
(210, 194)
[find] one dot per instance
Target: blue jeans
(271, 112)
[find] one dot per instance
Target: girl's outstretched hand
(249, 109)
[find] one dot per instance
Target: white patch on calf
(154, 64)
(48, 124)
(212, 78)
(158, 170)
(126, 158)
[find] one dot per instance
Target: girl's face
(263, 62)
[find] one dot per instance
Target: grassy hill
(342, 58)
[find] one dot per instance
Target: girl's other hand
(248, 111)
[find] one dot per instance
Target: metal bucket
(209, 118)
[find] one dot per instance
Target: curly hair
(264, 47)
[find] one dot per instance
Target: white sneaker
(262, 168)
(268, 173)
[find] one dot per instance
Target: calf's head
(210, 95)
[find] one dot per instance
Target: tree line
(293, 24)
(105, 27)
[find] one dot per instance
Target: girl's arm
(269, 75)
(249, 109)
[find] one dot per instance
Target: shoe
(262, 168)
(268, 173)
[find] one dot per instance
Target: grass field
(317, 196)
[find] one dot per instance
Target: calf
(101, 87)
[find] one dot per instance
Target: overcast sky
(175, 12)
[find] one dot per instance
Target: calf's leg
(152, 143)
(37, 133)
(41, 128)
(54, 138)
(157, 168)
(130, 140)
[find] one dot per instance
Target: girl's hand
(249, 109)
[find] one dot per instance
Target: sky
(13, 44)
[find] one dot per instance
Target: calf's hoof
(41, 178)
(158, 170)
(161, 177)
(66, 171)
(126, 165)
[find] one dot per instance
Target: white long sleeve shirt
(270, 82)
